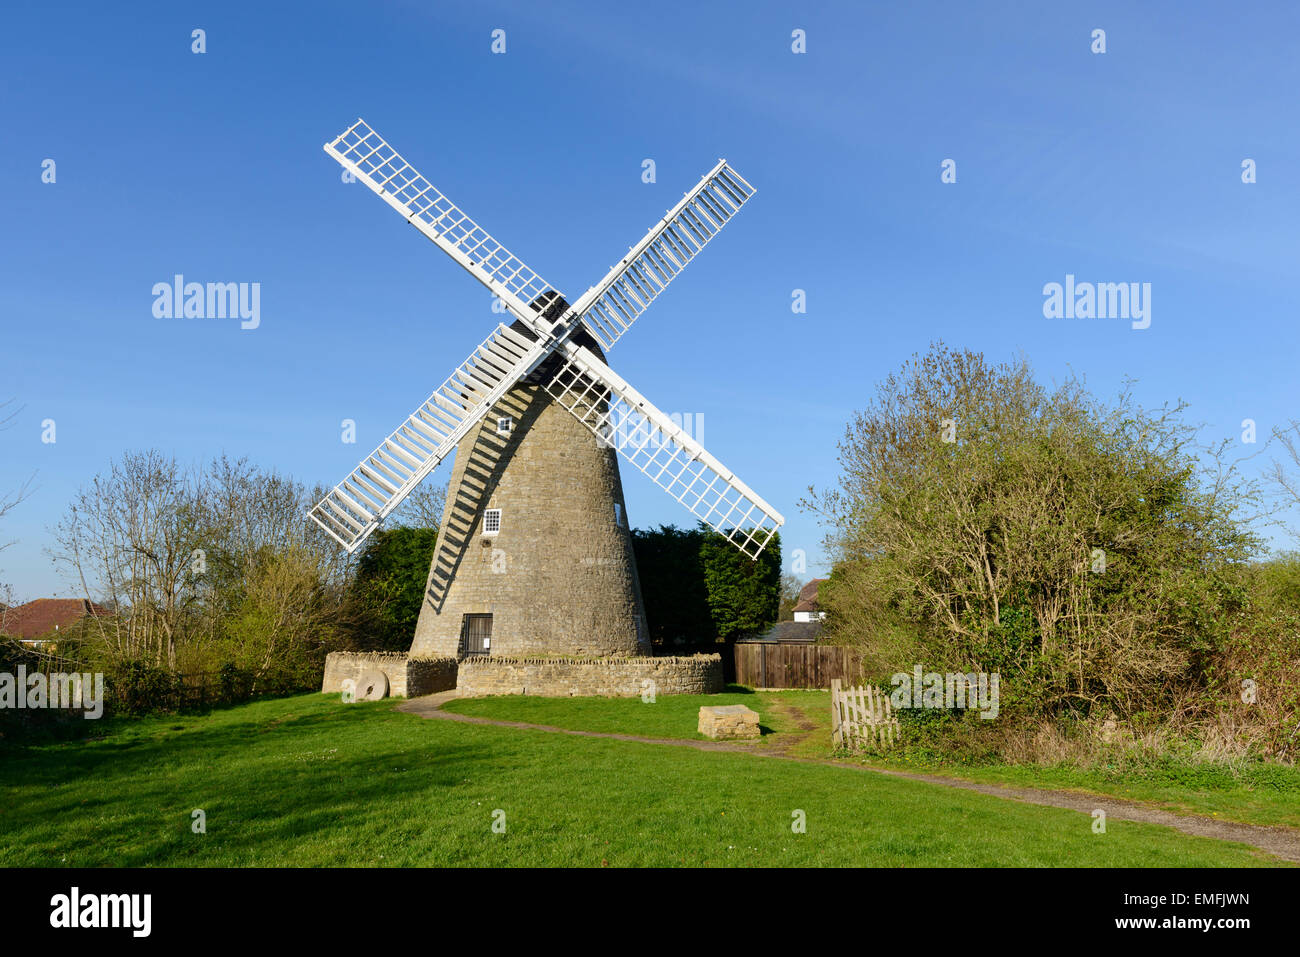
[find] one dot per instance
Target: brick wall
(597, 677)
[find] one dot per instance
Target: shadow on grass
(281, 782)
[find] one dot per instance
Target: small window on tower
(618, 515)
(504, 425)
(491, 521)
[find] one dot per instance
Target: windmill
(534, 554)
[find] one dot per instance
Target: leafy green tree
(672, 585)
(1079, 548)
(699, 589)
(744, 594)
(388, 589)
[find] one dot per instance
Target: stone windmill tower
(534, 508)
(534, 553)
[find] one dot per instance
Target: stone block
(728, 721)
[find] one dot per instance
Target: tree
(423, 507)
(389, 586)
(133, 532)
(203, 568)
(698, 588)
(744, 593)
(985, 523)
(672, 585)
(791, 588)
(8, 502)
(1285, 475)
(275, 585)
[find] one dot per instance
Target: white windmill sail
(367, 155)
(610, 307)
(356, 506)
(622, 417)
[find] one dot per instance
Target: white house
(807, 609)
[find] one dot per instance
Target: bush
(138, 688)
(698, 588)
(985, 523)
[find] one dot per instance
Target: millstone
(373, 686)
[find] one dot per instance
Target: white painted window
(491, 521)
(504, 425)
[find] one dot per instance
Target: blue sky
(1115, 167)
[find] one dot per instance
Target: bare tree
(8, 502)
(423, 507)
(134, 534)
(11, 500)
(1285, 475)
(791, 587)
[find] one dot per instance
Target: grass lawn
(782, 714)
(309, 781)
(798, 723)
(1267, 795)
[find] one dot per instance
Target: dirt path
(1279, 841)
(786, 742)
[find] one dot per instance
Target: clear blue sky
(1119, 167)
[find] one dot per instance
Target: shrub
(985, 523)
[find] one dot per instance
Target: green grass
(309, 781)
(1261, 794)
(668, 716)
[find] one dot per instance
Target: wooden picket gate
(861, 716)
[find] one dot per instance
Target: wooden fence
(861, 716)
(766, 664)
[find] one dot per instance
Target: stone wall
(428, 675)
(596, 677)
(407, 677)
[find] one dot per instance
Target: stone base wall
(407, 677)
(594, 677)
(428, 675)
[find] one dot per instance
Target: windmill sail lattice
(584, 385)
(366, 155)
(619, 415)
(611, 306)
(365, 498)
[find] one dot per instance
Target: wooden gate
(767, 664)
(861, 716)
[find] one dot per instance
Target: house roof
(808, 596)
(44, 615)
(793, 631)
